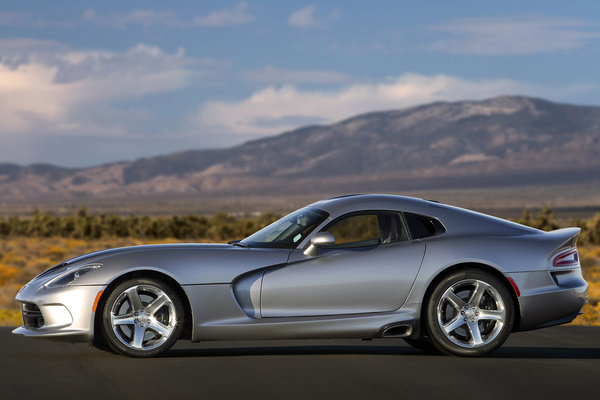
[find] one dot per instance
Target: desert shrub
(591, 230)
(545, 220)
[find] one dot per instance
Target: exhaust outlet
(397, 331)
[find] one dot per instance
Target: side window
(367, 229)
(421, 226)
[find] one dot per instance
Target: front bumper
(549, 299)
(64, 313)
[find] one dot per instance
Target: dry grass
(21, 259)
(590, 263)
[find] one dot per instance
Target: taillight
(567, 258)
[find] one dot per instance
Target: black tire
(469, 313)
(143, 327)
(423, 343)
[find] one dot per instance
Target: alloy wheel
(471, 313)
(143, 317)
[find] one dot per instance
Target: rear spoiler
(563, 239)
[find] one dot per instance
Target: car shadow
(293, 350)
(504, 352)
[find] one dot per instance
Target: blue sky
(83, 83)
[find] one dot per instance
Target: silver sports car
(357, 266)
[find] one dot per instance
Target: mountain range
(503, 141)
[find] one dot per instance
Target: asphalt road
(552, 363)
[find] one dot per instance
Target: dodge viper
(356, 266)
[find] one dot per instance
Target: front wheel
(470, 313)
(142, 317)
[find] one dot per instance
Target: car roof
(455, 219)
(353, 202)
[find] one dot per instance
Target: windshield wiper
(238, 243)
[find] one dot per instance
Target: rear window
(421, 226)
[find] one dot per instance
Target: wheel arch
(470, 265)
(143, 273)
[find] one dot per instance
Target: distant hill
(504, 141)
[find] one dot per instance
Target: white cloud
(274, 75)
(19, 18)
(46, 90)
(13, 18)
(20, 44)
(89, 14)
(305, 18)
(513, 35)
(273, 110)
(151, 17)
(237, 15)
(143, 17)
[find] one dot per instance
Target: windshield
(288, 231)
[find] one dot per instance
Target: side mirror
(321, 239)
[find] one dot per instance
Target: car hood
(149, 247)
(188, 264)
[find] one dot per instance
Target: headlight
(71, 275)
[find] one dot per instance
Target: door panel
(342, 281)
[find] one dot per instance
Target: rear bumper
(547, 300)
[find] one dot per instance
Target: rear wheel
(469, 313)
(142, 317)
